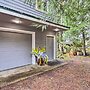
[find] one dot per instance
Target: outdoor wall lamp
(56, 29)
(17, 20)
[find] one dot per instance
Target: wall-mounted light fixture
(17, 20)
(56, 29)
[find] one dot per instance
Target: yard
(73, 76)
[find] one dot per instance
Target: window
(42, 5)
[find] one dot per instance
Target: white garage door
(50, 47)
(15, 50)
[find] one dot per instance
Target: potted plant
(40, 55)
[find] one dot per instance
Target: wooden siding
(21, 7)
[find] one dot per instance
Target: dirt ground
(73, 76)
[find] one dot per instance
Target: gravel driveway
(73, 76)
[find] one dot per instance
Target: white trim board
(54, 44)
(22, 32)
(30, 18)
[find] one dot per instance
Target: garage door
(50, 47)
(15, 50)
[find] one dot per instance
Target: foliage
(35, 52)
(73, 13)
(43, 27)
(40, 53)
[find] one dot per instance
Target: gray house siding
(23, 42)
(40, 36)
(40, 41)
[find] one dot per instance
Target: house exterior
(18, 35)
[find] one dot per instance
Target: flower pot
(36, 59)
(40, 61)
(74, 53)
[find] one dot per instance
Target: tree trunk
(84, 45)
(58, 44)
(62, 48)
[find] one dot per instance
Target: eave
(31, 18)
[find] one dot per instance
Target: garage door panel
(50, 47)
(15, 50)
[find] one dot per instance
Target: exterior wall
(20, 7)
(40, 36)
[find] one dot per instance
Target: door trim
(54, 44)
(4, 29)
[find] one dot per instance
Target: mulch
(73, 76)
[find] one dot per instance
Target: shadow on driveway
(55, 62)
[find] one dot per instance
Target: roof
(30, 17)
